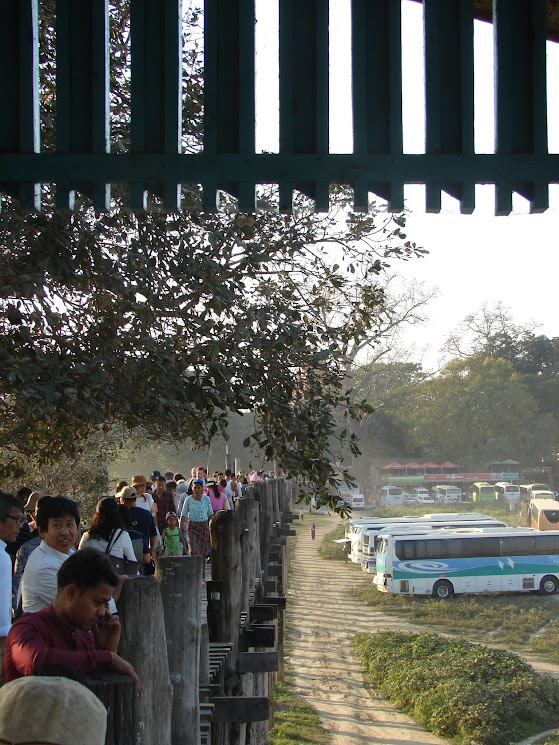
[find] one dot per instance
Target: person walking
(301, 514)
(313, 531)
(195, 514)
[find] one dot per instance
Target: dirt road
(322, 617)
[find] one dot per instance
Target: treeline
(499, 401)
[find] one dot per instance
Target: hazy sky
(473, 259)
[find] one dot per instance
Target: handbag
(121, 565)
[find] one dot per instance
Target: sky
(473, 259)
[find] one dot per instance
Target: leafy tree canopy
(476, 410)
(168, 322)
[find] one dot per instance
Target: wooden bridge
(85, 159)
(208, 664)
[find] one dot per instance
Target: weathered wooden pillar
(180, 579)
(143, 643)
(118, 694)
(224, 621)
(265, 521)
(204, 655)
(275, 501)
(250, 547)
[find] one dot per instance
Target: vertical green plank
(520, 91)
(229, 90)
(156, 46)
(304, 88)
(19, 124)
(449, 92)
(377, 91)
(82, 92)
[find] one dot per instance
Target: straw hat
(51, 710)
(139, 480)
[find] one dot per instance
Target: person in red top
(164, 501)
(76, 629)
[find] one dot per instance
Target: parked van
(421, 491)
(357, 501)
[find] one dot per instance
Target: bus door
(489, 569)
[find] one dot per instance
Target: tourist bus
(371, 535)
(355, 529)
(544, 514)
(507, 492)
(526, 490)
(391, 495)
(483, 492)
(447, 493)
(466, 560)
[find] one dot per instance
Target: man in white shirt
(11, 520)
(57, 521)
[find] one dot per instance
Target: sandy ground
(322, 617)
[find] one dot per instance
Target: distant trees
(476, 410)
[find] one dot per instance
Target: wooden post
(143, 643)
(250, 547)
(118, 694)
(224, 624)
(180, 579)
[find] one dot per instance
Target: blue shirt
(197, 511)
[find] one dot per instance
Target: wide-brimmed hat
(139, 480)
(127, 493)
(51, 709)
(32, 500)
(211, 482)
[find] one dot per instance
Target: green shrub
(460, 690)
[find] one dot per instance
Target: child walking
(173, 541)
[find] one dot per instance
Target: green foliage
(476, 410)
(495, 509)
(460, 690)
(169, 323)
(295, 722)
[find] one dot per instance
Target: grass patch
(552, 740)
(295, 722)
(459, 690)
(523, 622)
(330, 550)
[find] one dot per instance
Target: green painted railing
(83, 160)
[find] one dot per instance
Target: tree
(477, 410)
(168, 323)
(491, 324)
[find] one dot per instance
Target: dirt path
(322, 617)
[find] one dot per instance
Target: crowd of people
(60, 579)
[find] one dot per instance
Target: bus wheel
(549, 585)
(443, 590)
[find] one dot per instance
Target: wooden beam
(262, 613)
(240, 708)
(258, 662)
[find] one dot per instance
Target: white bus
(355, 529)
(507, 492)
(447, 493)
(391, 495)
(466, 560)
(371, 535)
